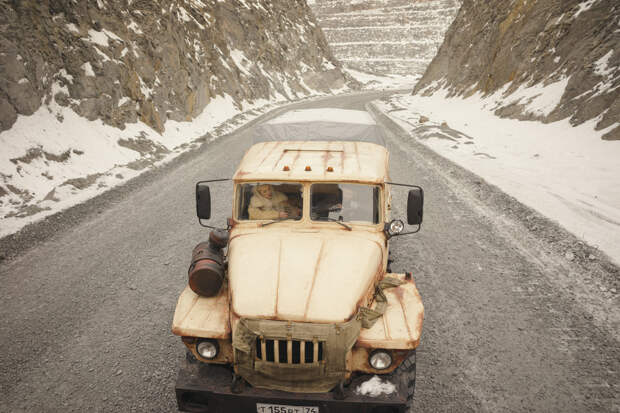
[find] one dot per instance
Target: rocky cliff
(127, 60)
(545, 59)
(94, 92)
(385, 36)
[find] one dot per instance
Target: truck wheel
(406, 374)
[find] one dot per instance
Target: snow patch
(72, 28)
(383, 82)
(538, 99)
(100, 53)
(112, 36)
(240, 60)
(375, 387)
(584, 6)
(133, 26)
(601, 66)
(567, 173)
(88, 69)
(102, 38)
(98, 38)
(123, 100)
(63, 73)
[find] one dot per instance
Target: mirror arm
(206, 226)
(209, 226)
(214, 180)
(407, 185)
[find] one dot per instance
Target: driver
(267, 203)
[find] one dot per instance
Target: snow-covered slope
(91, 93)
(567, 173)
(546, 60)
(387, 37)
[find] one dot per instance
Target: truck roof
(314, 161)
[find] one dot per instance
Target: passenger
(267, 203)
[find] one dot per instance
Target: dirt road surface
(511, 323)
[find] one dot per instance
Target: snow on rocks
(113, 90)
(567, 173)
(55, 158)
(372, 81)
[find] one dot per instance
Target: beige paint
(316, 277)
(401, 325)
(304, 270)
(197, 316)
(350, 161)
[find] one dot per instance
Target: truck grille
(289, 351)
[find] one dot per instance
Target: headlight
(380, 360)
(207, 349)
(396, 227)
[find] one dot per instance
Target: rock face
(385, 36)
(152, 60)
(561, 54)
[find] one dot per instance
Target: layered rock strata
(387, 36)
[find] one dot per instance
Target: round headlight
(380, 360)
(396, 227)
(207, 349)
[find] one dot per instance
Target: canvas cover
(318, 131)
(326, 124)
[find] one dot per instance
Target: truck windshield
(269, 201)
(345, 202)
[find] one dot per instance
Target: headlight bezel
(396, 227)
(378, 353)
(212, 342)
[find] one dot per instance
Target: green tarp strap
(369, 316)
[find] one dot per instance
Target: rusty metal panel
(198, 316)
(314, 161)
(401, 325)
(310, 277)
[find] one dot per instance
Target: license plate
(284, 408)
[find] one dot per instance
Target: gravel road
(511, 323)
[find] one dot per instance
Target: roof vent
(308, 168)
(330, 169)
(286, 168)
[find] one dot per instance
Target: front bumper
(207, 388)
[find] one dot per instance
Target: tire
(406, 375)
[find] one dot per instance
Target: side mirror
(415, 206)
(203, 201)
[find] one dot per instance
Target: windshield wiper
(339, 222)
(264, 224)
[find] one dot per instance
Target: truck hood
(314, 277)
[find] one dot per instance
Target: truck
(292, 307)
